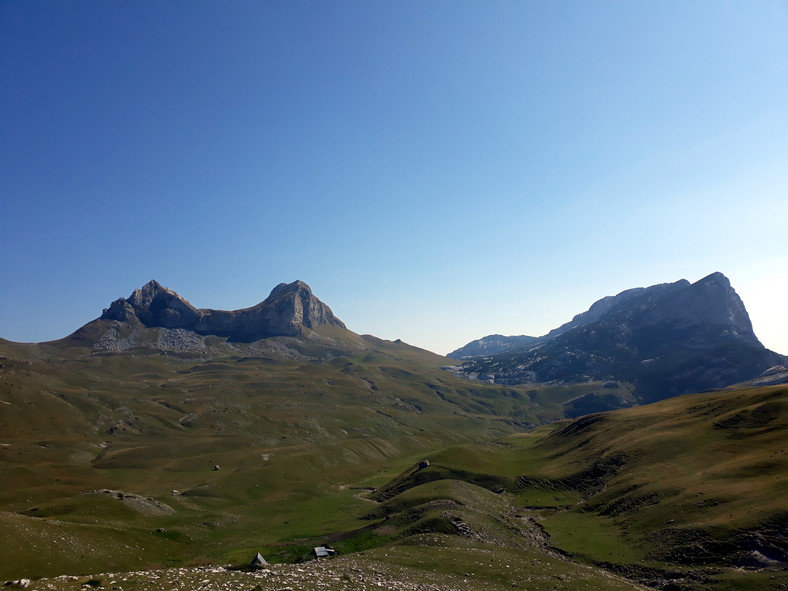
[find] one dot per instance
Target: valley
(153, 455)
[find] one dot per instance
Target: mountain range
(163, 435)
(289, 310)
(666, 340)
(290, 322)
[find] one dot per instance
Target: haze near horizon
(436, 172)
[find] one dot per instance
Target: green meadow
(142, 461)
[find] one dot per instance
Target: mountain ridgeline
(291, 323)
(660, 341)
(666, 340)
(160, 434)
(286, 312)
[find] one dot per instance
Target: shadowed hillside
(688, 492)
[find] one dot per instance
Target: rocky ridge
(667, 339)
(492, 344)
(287, 311)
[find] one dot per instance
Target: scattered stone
(146, 505)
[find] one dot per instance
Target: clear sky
(435, 170)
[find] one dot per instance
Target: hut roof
(259, 560)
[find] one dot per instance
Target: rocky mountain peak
(294, 304)
(289, 309)
(666, 340)
(294, 287)
(153, 305)
(145, 294)
(711, 300)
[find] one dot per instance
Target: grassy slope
(703, 483)
(289, 436)
(686, 490)
(295, 439)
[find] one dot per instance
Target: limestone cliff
(287, 311)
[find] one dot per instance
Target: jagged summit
(153, 305)
(711, 299)
(295, 286)
(289, 309)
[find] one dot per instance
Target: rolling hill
(161, 435)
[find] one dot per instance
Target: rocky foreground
(359, 572)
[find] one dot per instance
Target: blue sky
(436, 171)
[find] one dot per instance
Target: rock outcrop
(287, 311)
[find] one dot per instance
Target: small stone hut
(324, 551)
